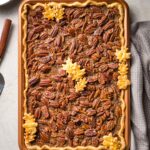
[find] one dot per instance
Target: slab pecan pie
(76, 72)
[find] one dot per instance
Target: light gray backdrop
(139, 11)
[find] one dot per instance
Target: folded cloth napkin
(140, 89)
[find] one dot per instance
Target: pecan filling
(89, 36)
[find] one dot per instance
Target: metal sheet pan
(21, 72)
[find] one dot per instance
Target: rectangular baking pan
(21, 71)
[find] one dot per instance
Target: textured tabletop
(139, 11)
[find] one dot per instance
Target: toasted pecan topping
(74, 75)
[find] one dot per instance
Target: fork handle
(4, 37)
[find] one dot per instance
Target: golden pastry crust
(30, 127)
(77, 4)
(76, 73)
